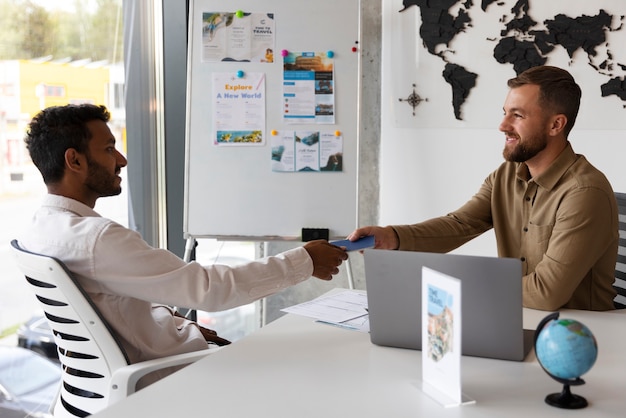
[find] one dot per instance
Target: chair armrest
(124, 380)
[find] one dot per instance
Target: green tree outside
(93, 30)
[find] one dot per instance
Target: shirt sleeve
(124, 264)
(446, 233)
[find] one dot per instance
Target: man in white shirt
(75, 152)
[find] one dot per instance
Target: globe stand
(566, 399)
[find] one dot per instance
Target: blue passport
(360, 244)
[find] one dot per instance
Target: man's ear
(558, 124)
(74, 160)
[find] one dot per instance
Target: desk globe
(566, 349)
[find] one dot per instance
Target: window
(52, 52)
(118, 99)
(47, 90)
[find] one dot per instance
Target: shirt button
(525, 229)
(527, 198)
(523, 259)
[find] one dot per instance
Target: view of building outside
(27, 86)
(51, 53)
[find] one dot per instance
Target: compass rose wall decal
(413, 99)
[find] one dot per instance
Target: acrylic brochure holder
(441, 339)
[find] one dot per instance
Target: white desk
(295, 367)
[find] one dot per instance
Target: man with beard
(75, 152)
(548, 206)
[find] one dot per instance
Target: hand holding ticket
(360, 244)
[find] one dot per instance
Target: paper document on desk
(346, 309)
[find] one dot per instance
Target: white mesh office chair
(96, 370)
(620, 267)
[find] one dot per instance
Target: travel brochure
(306, 151)
(441, 338)
(245, 37)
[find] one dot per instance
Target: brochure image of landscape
(440, 323)
(239, 137)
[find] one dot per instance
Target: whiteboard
(231, 190)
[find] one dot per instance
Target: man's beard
(100, 181)
(526, 150)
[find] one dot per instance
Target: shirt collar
(549, 178)
(69, 204)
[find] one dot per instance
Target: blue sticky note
(360, 244)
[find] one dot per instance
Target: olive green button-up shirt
(563, 225)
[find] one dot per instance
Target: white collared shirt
(126, 277)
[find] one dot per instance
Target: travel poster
(308, 88)
(240, 37)
(238, 109)
(441, 336)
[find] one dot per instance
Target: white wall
(432, 163)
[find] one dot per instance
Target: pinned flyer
(441, 338)
(238, 109)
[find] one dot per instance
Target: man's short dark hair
(56, 129)
(558, 91)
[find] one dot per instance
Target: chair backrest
(88, 349)
(620, 267)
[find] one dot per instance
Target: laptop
(491, 301)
